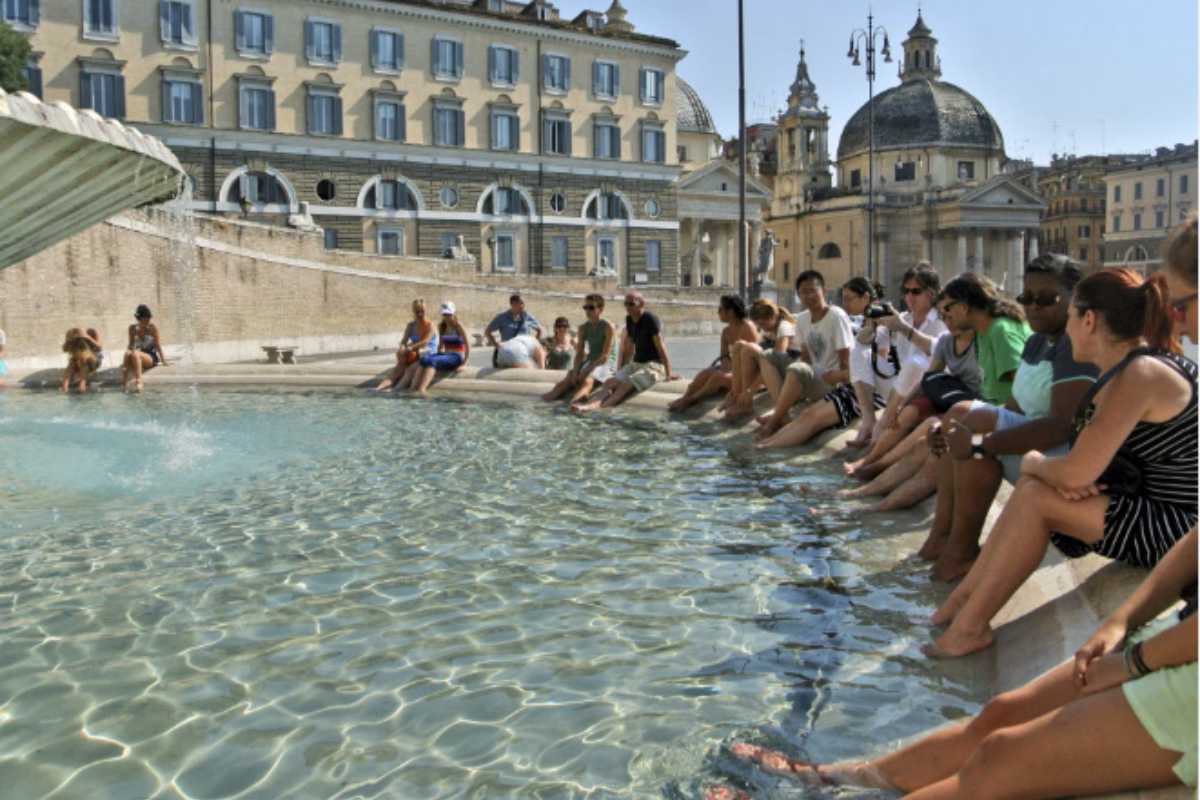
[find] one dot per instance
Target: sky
(1059, 76)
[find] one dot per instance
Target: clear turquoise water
(218, 594)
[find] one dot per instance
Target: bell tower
(920, 54)
(803, 145)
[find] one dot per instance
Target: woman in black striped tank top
(1127, 488)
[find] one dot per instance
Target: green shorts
(1165, 703)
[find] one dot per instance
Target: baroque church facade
(939, 187)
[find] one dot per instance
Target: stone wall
(256, 285)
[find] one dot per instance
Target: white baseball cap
(448, 309)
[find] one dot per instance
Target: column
(1014, 267)
(962, 250)
(927, 246)
(979, 260)
(1033, 244)
(755, 242)
(881, 270)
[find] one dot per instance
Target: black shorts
(845, 402)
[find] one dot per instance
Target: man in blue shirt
(519, 335)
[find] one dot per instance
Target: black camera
(879, 311)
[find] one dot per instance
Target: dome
(923, 113)
(691, 115)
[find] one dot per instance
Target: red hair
(1132, 306)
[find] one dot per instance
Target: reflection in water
(324, 596)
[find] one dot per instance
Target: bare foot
(138, 386)
(932, 548)
(856, 492)
(776, 763)
(725, 793)
(585, 408)
(951, 566)
(953, 644)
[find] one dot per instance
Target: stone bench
(280, 353)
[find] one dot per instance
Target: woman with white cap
(453, 349)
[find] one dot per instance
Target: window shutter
(616, 80)
(545, 72)
(458, 59)
(337, 43)
(433, 58)
(494, 138)
(614, 134)
(642, 85)
(337, 116)
(120, 98)
(189, 24)
(378, 194)
(547, 136)
(312, 113)
(401, 124)
(514, 131)
(85, 90)
(399, 37)
(239, 30)
(567, 74)
(198, 103)
(271, 110)
(166, 101)
(460, 125)
(492, 64)
(515, 64)
(566, 128)
(308, 41)
(35, 81)
(89, 21)
(374, 41)
(596, 78)
(243, 108)
(595, 141)
(164, 20)
(35, 13)
(269, 34)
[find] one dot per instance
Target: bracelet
(1138, 661)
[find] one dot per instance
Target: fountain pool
(228, 593)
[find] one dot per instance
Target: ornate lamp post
(861, 39)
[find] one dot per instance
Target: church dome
(691, 115)
(923, 113)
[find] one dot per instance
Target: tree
(14, 55)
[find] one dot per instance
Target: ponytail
(1132, 307)
(1157, 328)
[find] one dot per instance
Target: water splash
(181, 223)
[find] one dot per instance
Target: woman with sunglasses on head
(718, 377)
(981, 443)
(1127, 488)
(145, 349)
(594, 353)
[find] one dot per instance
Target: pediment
(710, 178)
(1001, 191)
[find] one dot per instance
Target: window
(449, 124)
(100, 19)
(324, 113)
(556, 135)
(326, 189)
(606, 253)
(390, 123)
(256, 106)
(652, 208)
(505, 200)
(606, 79)
(503, 68)
(33, 79)
(1083, 254)
(1116, 226)
(449, 197)
(253, 33)
(182, 101)
(681, 153)
(176, 25)
(1160, 187)
(1116, 194)
(556, 73)
(390, 241)
(653, 86)
(829, 250)
(322, 42)
(506, 129)
(1160, 219)
(1085, 231)
(653, 255)
(331, 239)
(506, 251)
(1137, 221)
(447, 59)
(1137, 191)
(387, 50)
(447, 242)
(606, 206)
(259, 188)
(21, 13)
(103, 92)
(606, 140)
(1183, 184)
(855, 178)
(558, 203)
(390, 195)
(558, 252)
(966, 170)
(654, 144)
(906, 171)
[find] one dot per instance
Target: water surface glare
(237, 594)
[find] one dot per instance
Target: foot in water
(955, 644)
(725, 793)
(950, 567)
(847, 773)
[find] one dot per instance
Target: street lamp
(865, 39)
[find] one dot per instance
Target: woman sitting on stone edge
(453, 350)
(145, 349)
(764, 363)
(1126, 489)
(719, 377)
(1120, 716)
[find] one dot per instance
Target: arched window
(258, 188)
(607, 206)
(390, 195)
(829, 250)
(505, 200)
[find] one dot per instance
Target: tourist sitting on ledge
(822, 385)
(644, 360)
(985, 442)
(594, 352)
(560, 348)
(419, 339)
(1126, 490)
(762, 363)
(519, 333)
(84, 354)
(453, 350)
(719, 377)
(145, 349)
(1119, 716)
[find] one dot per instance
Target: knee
(1000, 712)
(982, 775)
(959, 411)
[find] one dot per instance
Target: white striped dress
(1148, 515)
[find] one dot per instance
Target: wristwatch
(977, 451)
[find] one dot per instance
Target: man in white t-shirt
(826, 347)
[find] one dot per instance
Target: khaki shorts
(642, 375)
(811, 385)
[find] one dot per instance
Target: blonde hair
(766, 309)
(418, 303)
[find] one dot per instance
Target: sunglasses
(1180, 306)
(589, 308)
(913, 290)
(631, 304)
(1044, 300)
